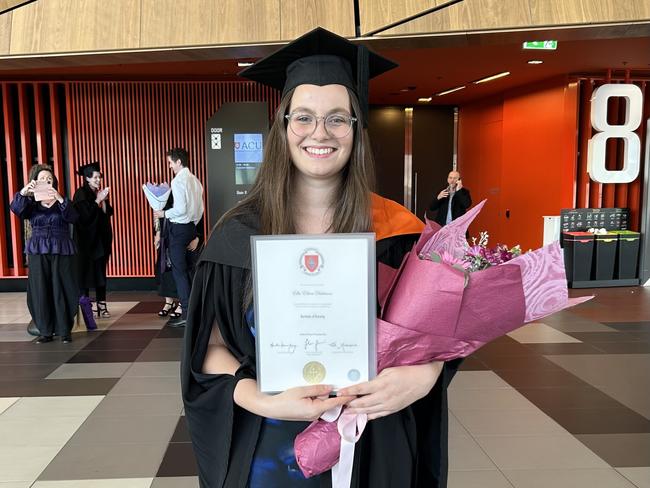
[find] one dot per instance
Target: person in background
(93, 234)
(52, 291)
(163, 268)
(452, 202)
(183, 217)
(165, 283)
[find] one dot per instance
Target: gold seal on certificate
(313, 372)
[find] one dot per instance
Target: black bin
(578, 254)
(628, 254)
(604, 256)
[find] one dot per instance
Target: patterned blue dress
(274, 462)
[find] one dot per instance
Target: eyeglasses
(304, 124)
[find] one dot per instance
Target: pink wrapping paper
(428, 314)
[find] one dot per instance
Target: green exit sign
(547, 45)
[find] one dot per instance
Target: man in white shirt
(187, 211)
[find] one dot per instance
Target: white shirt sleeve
(179, 192)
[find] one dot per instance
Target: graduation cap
(320, 57)
(88, 168)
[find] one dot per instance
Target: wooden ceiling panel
(375, 14)
(469, 15)
(55, 26)
(300, 16)
(6, 5)
(546, 12)
(206, 22)
(5, 33)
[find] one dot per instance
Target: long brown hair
(271, 196)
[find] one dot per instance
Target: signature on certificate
(313, 346)
(283, 348)
(342, 347)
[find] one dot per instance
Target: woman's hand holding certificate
(301, 403)
(392, 390)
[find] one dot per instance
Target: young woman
(315, 179)
(52, 292)
(93, 234)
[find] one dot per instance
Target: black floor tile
(128, 334)
(472, 364)
(564, 348)
(503, 346)
(600, 420)
(10, 372)
(30, 357)
(170, 332)
(105, 356)
(568, 397)
(598, 337)
(102, 344)
(68, 387)
(154, 355)
(181, 434)
(623, 347)
(178, 461)
(532, 362)
(541, 378)
(151, 308)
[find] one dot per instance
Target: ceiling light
(425, 99)
(450, 91)
(243, 64)
(493, 77)
(535, 61)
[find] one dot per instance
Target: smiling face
(175, 166)
(319, 155)
(95, 180)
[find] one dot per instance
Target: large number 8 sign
(597, 150)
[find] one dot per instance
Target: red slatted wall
(128, 127)
(590, 194)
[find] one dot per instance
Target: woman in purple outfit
(52, 290)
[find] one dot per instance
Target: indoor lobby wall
(519, 152)
(127, 127)
(526, 152)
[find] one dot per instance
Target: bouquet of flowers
(157, 195)
(434, 309)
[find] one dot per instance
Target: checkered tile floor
(563, 403)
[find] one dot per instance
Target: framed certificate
(315, 309)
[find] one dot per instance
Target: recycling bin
(628, 254)
(605, 246)
(578, 255)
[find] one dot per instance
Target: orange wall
(519, 152)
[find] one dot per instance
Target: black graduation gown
(406, 449)
(93, 236)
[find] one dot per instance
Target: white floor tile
(539, 452)
(25, 463)
(7, 402)
(477, 479)
(540, 333)
(47, 407)
(639, 476)
(115, 483)
(567, 478)
(470, 380)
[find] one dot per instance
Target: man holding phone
(452, 202)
